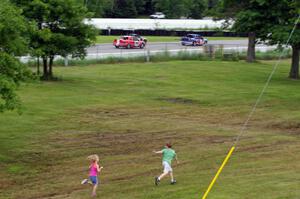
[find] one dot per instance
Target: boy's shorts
(94, 180)
(167, 167)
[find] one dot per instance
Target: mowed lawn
(124, 111)
(109, 39)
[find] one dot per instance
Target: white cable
(244, 127)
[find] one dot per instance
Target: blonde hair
(94, 158)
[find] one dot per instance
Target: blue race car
(193, 40)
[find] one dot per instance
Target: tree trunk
(45, 68)
(294, 72)
(50, 67)
(38, 66)
(251, 47)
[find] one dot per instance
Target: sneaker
(85, 181)
(156, 181)
(173, 182)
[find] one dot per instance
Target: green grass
(124, 111)
(109, 39)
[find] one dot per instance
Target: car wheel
(194, 43)
(142, 46)
(117, 46)
(128, 46)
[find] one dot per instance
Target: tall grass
(219, 54)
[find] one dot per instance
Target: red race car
(129, 42)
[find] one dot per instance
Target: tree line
(269, 21)
(133, 8)
(42, 29)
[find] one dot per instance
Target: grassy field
(123, 112)
(109, 39)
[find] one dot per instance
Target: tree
(96, 7)
(196, 8)
(171, 8)
(149, 7)
(140, 6)
(248, 16)
(284, 16)
(60, 30)
(12, 72)
(124, 9)
(211, 4)
(99, 8)
(267, 20)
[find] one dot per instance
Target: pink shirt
(93, 170)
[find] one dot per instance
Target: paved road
(101, 51)
(110, 49)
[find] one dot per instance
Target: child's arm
(99, 168)
(158, 152)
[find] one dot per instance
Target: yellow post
(218, 173)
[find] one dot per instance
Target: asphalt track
(110, 49)
(102, 51)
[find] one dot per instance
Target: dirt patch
(179, 100)
(253, 148)
(121, 136)
(291, 127)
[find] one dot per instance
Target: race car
(139, 36)
(129, 42)
(193, 40)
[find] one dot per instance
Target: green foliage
(12, 42)
(269, 20)
(132, 8)
(178, 8)
(12, 27)
(285, 14)
(99, 8)
(95, 6)
(197, 8)
(247, 14)
(149, 7)
(264, 17)
(124, 9)
(60, 29)
(140, 6)
(171, 8)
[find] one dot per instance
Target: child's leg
(94, 189)
(172, 177)
(163, 175)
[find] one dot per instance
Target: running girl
(168, 154)
(93, 174)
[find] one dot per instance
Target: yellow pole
(218, 173)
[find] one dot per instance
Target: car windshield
(193, 36)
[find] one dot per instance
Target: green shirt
(168, 155)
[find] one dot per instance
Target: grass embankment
(123, 112)
(109, 39)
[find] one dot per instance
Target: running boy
(93, 174)
(168, 154)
